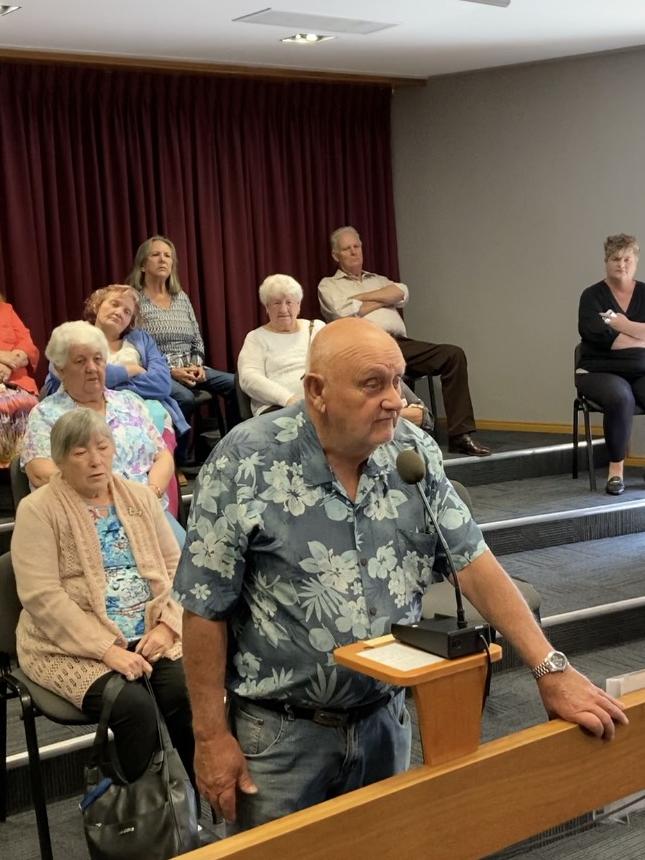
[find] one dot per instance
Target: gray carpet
(509, 499)
(578, 575)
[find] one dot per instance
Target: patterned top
(136, 440)
(126, 593)
(175, 329)
(275, 545)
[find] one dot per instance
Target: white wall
(506, 184)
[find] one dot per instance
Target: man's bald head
(352, 388)
(346, 339)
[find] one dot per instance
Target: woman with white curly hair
(273, 359)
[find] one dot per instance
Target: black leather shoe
(615, 486)
(465, 444)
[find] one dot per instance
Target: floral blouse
(136, 439)
(126, 592)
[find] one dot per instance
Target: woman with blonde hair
(167, 314)
(611, 367)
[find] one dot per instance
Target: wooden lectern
(448, 693)
(466, 801)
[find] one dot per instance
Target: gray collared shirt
(276, 547)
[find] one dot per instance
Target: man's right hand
(220, 768)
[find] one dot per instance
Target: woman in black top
(611, 369)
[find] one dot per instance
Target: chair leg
(219, 417)
(36, 779)
(574, 456)
(433, 405)
(590, 462)
(4, 692)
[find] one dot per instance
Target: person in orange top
(18, 390)
(18, 352)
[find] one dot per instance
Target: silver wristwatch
(555, 661)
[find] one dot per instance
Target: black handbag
(153, 817)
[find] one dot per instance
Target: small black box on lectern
(442, 637)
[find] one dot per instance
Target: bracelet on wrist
(156, 490)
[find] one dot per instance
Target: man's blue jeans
(296, 763)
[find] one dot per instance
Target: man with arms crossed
(354, 292)
(302, 538)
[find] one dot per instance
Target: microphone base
(442, 637)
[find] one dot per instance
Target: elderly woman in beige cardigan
(94, 559)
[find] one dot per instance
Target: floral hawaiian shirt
(276, 547)
(136, 440)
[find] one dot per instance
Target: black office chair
(243, 401)
(202, 424)
(411, 381)
(34, 701)
(18, 481)
(586, 406)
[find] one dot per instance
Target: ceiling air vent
(303, 23)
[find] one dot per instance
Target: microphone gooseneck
(412, 469)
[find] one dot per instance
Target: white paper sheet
(398, 656)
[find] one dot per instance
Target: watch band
(541, 670)
(555, 661)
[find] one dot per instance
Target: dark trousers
(217, 383)
(133, 720)
(617, 394)
(449, 363)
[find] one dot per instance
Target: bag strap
(110, 694)
(162, 729)
(103, 755)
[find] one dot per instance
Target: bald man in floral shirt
(303, 538)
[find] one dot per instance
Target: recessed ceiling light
(7, 10)
(306, 39)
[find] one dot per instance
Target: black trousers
(133, 721)
(449, 363)
(617, 394)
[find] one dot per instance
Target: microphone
(412, 469)
(438, 635)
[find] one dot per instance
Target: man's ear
(334, 255)
(314, 385)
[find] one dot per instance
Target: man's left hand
(571, 696)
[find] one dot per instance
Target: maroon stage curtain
(246, 177)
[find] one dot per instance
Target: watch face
(558, 661)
